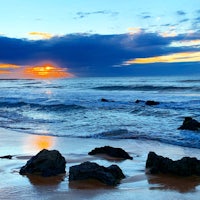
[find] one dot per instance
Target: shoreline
(75, 150)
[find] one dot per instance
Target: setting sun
(46, 71)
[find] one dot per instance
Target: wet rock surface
(111, 151)
(186, 166)
(190, 124)
(45, 163)
(89, 170)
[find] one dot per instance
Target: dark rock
(106, 100)
(151, 103)
(111, 151)
(88, 170)
(187, 166)
(139, 101)
(6, 157)
(45, 163)
(190, 124)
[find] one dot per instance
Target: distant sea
(74, 108)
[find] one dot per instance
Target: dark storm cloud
(90, 55)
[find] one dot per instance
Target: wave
(144, 88)
(185, 139)
(52, 107)
(190, 81)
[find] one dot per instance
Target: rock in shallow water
(186, 166)
(190, 124)
(111, 151)
(45, 163)
(89, 170)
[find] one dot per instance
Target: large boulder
(45, 163)
(186, 166)
(89, 170)
(190, 124)
(111, 151)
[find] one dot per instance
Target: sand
(136, 185)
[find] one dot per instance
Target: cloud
(100, 12)
(41, 35)
(181, 13)
(171, 58)
(96, 55)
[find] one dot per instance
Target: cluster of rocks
(50, 163)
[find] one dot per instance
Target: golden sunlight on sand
(38, 142)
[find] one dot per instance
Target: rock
(45, 163)
(106, 100)
(6, 157)
(152, 103)
(139, 101)
(187, 166)
(89, 170)
(190, 124)
(111, 151)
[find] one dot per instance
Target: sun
(46, 71)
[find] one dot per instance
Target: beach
(136, 185)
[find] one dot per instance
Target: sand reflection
(38, 142)
(170, 182)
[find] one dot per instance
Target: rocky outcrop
(111, 151)
(45, 163)
(190, 124)
(89, 170)
(6, 157)
(186, 166)
(148, 102)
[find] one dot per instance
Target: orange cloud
(45, 71)
(41, 35)
(5, 68)
(8, 66)
(171, 58)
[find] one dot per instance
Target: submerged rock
(89, 170)
(190, 124)
(45, 163)
(186, 166)
(148, 102)
(152, 103)
(111, 151)
(6, 157)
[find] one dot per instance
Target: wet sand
(136, 185)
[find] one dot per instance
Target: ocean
(74, 108)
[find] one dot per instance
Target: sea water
(74, 108)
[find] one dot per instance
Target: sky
(74, 38)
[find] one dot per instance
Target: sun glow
(46, 71)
